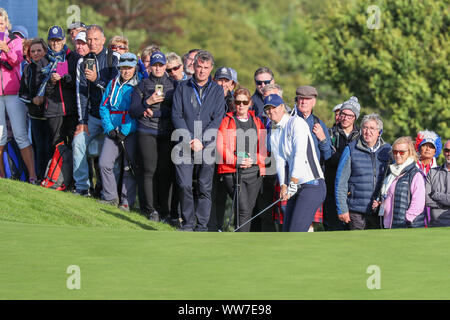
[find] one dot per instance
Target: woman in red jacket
(241, 144)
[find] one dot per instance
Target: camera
(90, 63)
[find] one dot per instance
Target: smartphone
(2, 36)
(90, 63)
(159, 89)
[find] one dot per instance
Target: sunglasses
(260, 82)
(238, 102)
(401, 152)
(169, 70)
(446, 150)
(115, 47)
(127, 60)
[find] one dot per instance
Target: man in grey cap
(342, 133)
(305, 101)
(74, 29)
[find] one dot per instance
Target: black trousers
(62, 128)
(219, 194)
(250, 185)
(265, 222)
(158, 173)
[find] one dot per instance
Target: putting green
(143, 264)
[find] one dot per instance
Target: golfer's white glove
(292, 189)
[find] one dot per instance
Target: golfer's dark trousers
(250, 185)
(302, 206)
(195, 217)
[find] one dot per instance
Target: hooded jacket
(115, 106)
(10, 66)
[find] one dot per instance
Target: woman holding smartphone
(11, 56)
(151, 106)
(242, 152)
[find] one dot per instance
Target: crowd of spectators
(161, 134)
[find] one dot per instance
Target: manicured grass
(22, 202)
(118, 262)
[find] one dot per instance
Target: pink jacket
(10, 79)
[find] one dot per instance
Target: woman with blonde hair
(403, 191)
(11, 57)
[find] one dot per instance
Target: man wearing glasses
(360, 174)
(263, 76)
(175, 67)
(438, 192)
(344, 132)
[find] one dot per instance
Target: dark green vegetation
(393, 57)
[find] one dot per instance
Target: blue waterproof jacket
(116, 104)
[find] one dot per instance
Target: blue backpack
(13, 162)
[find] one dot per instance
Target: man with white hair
(360, 175)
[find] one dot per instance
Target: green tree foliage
(63, 13)
(394, 60)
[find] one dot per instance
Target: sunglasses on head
(260, 82)
(115, 47)
(244, 102)
(127, 60)
(169, 70)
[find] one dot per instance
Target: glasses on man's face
(117, 47)
(346, 115)
(446, 150)
(244, 102)
(371, 129)
(260, 82)
(169, 70)
(400, 152)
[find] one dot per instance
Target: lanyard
(200, 101)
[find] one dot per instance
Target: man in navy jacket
(196, 115)
(90, 85)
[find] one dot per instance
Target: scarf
(53, 58)
(396, 170)
(426, 168)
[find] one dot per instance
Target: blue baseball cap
(156, 57)
(127, 59)
(273, 100)
(20, 30)
(56, 32)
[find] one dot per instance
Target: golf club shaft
(130, 165)
(264, 210)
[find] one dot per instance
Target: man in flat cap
(305, 102)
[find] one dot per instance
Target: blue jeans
(79, 146)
